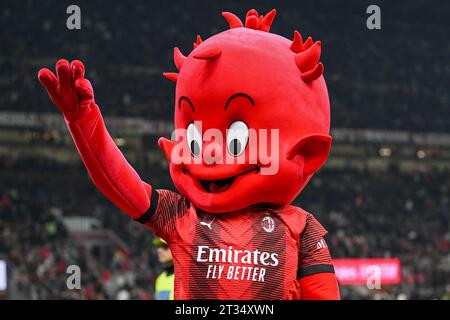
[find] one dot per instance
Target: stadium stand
(387, 79)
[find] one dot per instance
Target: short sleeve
(314, 256)
(165, 208)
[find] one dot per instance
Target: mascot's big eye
(237, 138)
(194, 139)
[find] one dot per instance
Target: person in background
(164, 282)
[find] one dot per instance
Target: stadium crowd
(388, 215)
(367, 214)
(377, 79)
(35, 196)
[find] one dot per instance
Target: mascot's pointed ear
(315, 149)
(167, 146)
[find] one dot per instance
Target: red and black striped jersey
(255, 253)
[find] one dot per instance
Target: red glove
(70, 92)
(108, 168)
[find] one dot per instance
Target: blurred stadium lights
(385, 152)
(120, 142)
(421, 154)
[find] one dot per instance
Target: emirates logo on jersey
(268, 224)
(232, 264)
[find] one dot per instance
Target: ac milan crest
(268, 224)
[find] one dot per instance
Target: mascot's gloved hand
(70, 91)
(108, 168)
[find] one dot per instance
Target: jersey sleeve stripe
(151, 210)
(318, 268)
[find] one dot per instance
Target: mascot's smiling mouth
(216, 186)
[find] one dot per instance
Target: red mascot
(252, 120)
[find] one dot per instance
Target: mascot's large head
(252, 117)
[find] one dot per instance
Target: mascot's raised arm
(252, 122)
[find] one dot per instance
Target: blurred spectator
(165, 281)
